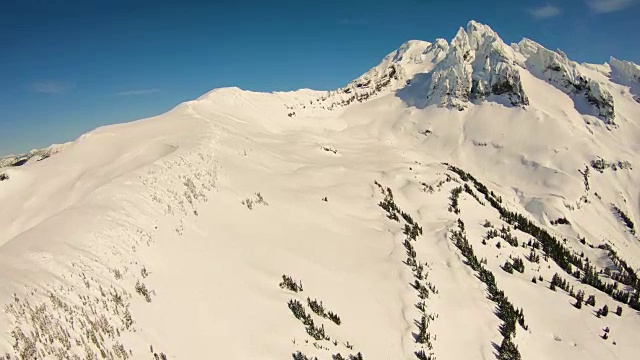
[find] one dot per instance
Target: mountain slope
(390, 200)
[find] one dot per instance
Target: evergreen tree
(518, 265)
(605, 310)
(619, 310)
(508, 350)
(300, 356)
(290, 284)
(507, 267)
(578, 303)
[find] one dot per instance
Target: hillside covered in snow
(464, 199)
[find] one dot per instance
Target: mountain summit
(463, 199)
(478, 66)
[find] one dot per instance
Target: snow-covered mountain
(464, 199)
(31, 156)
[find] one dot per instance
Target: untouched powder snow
(401, 203)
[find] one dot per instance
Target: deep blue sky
(68, 66)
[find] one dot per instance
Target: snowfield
(415, 207)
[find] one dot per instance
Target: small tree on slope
(508, 350)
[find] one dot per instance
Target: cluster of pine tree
(624, 218)
(469, 191)
(141, 289)
(298, 311)
(579, 299)
(533, 257)
(508, 267)
(492, 198)
(491, 233)
(553, 248)
(357, 356)
(516, 264)
(290, 284)
(422, 355)
(560, 221)
(505, 233)
(506, 311)
(599, 164)
(318, 308)
(508, 350)
(412, 230)
(625, 274)
(317, 332)
(604, 311)
(300, 356)
(558, 281)
(454, 198)
(424, 336)
(314, 331)
(388, 203)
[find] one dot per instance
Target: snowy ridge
(31, 156)
(394, 72)
(626, 73)
(557, 69)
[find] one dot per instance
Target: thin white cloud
(50, 87)
(608, 6)
(545, 12)
(138, 92)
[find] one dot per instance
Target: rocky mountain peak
(478, 64)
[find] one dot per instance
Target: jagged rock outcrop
(478, 64)
(556, 69)
(601, 99)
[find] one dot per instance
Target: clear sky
(68, 66)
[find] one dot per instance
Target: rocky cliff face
(478, 64)
(556, 69)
